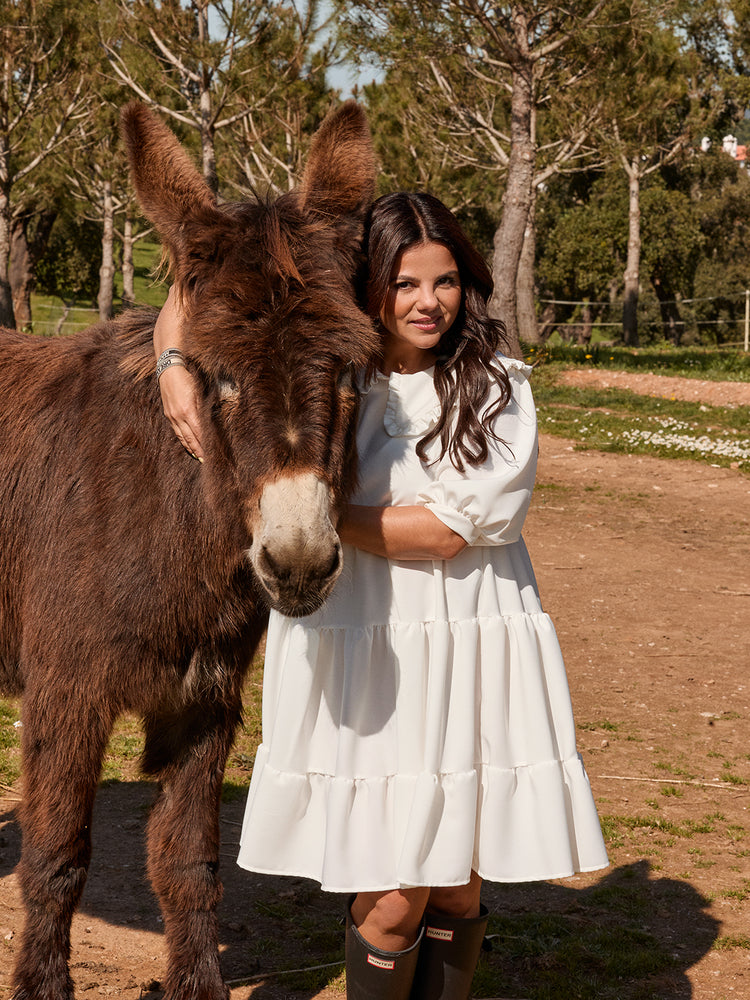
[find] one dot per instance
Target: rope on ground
(280, 972)
(671, 781)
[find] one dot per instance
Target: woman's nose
(427, 297)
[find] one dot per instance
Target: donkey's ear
(339, 178)
(169, 187)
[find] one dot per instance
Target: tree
(216, 67)
(663, 96)
(582, 243)
(70, 267)
(30, 232)
(483, 74)
(42, 96)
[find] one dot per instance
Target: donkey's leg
(63, 741)
(188, 752)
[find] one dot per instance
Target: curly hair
(466, 363)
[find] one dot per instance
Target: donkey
(133, 578)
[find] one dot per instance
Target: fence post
(747, 318)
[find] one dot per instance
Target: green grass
(616, 420)
(728, 365)
(615, 826)
(10, 742)
(729, 942)
(122, 756)
(605, 942)
(605, 724)
(47, 310)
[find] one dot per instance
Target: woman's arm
(179, 392)
(411, 532)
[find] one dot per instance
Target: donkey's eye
(228, 389)
(346, 376)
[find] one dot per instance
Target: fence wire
(717, 319)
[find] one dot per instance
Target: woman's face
(423, 300)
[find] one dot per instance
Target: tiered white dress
(419, 724)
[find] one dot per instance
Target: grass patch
(729, 942)
(566, 955)
(728, 365)
(10, 742)
(123, 752)
(605, 724)
(613, 826)
(47, 310)
(616, 420)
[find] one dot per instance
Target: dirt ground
(690, 389)
(644, 565)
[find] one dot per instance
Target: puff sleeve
(487, 505)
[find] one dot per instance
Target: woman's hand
(179, 397)
(178, 388)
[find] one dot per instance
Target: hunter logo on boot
(438, 933)
(381, 963)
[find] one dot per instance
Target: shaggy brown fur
(125, 582)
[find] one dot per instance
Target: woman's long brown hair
(466, 362)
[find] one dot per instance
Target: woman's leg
(383, 937)
(390, 920)
(455, 923)
(456, 900)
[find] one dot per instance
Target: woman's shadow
(629, 934)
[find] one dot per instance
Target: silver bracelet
(172, 356)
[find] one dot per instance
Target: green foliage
(687, 362)
(582, 236)
(10, 743)
(70, 267)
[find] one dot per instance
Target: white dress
(419, 724)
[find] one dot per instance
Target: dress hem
(422, 885)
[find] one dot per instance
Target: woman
(417, 730)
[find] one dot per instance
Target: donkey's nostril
(335, 563)
(269, 563)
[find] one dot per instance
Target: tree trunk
(107, 270)
(20, 274)
(25, 254)
(128, 267)
(208, 150)
(7, 316)
(528, 331)
(548, 323)
(585, 329)
(509, 236)
(670, 312)
(632, 267)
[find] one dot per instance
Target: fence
(52, 317)
(723, 319)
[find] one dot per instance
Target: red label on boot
(438, 934)
(381, 963)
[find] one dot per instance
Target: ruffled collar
(411, 405)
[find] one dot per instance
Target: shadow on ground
(620, 934)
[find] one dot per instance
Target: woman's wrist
(168, 327)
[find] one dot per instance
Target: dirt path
(666, 386)
(644, 565)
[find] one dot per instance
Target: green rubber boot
(448, 956)
(372, 974)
